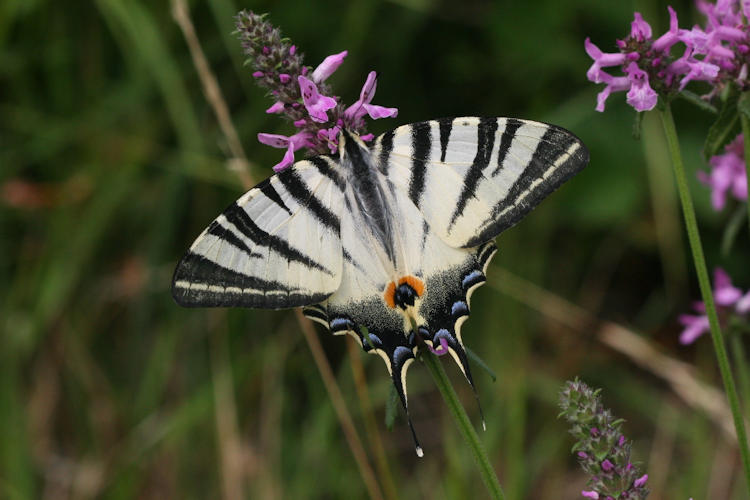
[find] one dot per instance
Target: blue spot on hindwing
(338, 324)
(444, 334)
(399, 354)
(471, 279)
(459, 308)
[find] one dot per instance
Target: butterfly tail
(398, 355)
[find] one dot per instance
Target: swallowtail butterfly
(382, 236)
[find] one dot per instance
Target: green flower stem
(705, 286)
(746, 139)
(738, 353)
(464, 424)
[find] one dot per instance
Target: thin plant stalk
(464, 425)
(705, 286)
(738, 353)
(746, 139)
(337, 399)
(371, 426)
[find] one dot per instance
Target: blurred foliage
(111, 162)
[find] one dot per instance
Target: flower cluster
(301, 94)
(728, 174)
(730, 299)
(717, 54)
(602, 450)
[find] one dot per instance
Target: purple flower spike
(362, 106)
(639, 29)
(292, 144)
(641, 96)
(590, 494)
(727, 174)
(328, 66)
(724, 293)
(316, 104)
(640, 481)
(442, 349)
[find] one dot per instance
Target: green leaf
(732, 229)
(725, 128)
(481, 363)
(743, 104)
(696, 100)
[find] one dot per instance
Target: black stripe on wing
(445, 125)
(385, 143)
(237, 216)
(200, 282)
(421, 136)
(270, 192)
(506, 138)
(485, 142)
(296, 187)
(559, 155)
(227, 235)
(324, 166)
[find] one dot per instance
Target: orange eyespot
(390, 295)
(416, 285)
(413, 282)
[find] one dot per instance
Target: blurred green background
(112, 162)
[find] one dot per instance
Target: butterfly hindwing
(278, 246)
(472, 178)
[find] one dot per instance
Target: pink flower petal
(442, 349)
(743, 305)
(377, 112)
(695, 326)
(640, 29)
(316, 103)
(724, 293)
(590, 494)
(273, 140)
(328, 66)
(287, 161)
(277, 107)
(641, 96)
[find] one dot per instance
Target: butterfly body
(385, 242)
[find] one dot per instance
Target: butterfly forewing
(277, 246)
(472, 178)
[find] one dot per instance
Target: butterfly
(384, 241)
